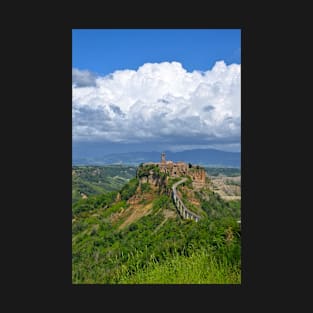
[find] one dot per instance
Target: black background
(37, 140)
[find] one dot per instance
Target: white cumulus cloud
(159, 102)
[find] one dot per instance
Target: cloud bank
(160, 102)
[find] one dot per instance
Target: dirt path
(135, 213)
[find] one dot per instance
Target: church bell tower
(163, 157)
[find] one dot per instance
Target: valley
(93, 180)
(229, 188)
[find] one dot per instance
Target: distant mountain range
(207, 157)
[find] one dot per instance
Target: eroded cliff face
(156, 181)
(152, 179)
(198, 178)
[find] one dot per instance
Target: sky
(149, 89)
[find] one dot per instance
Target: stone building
(177, 169)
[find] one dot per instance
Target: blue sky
(105, 50)
(149, 89)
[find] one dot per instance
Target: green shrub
(145, 187)
(94, 202)
(162, 202)
(129, 189)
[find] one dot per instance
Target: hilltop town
(177, 169)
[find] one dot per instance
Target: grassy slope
(199, 268)
(177, 252)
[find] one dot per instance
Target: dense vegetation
(144, 171)
(129, 189)
(104, 254)
(94, 202)
(154, 248)
(217, 208)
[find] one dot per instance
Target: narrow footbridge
(183, 211)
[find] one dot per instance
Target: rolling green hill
(93, 180)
